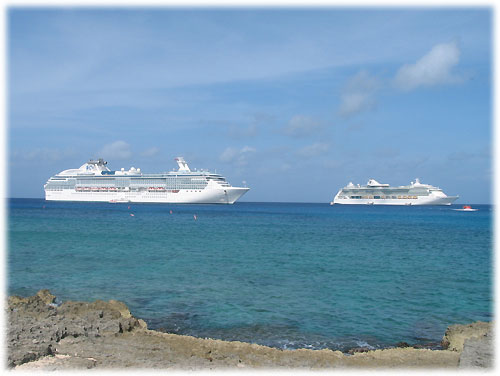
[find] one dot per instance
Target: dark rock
(359, 350)
(445, 344)
(428, 345)
(402, 344)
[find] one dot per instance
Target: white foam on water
(364, 344)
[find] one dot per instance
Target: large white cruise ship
(374, 193)
(93, 181)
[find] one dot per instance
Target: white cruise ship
(374, 193)
(93, 181)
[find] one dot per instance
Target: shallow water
(284, 275)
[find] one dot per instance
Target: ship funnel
(183, 166)
(100, 162)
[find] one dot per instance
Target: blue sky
(296, 102)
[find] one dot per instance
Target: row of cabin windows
(200, 185)
(117, 189)
(145, 183)
(384, 197)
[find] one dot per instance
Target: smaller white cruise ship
(375, 193)
(94, 181)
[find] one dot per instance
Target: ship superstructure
(375, 193)
(94, 181)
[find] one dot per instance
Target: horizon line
(247, 202)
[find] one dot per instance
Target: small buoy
(43, 207)
(195, 217)
(132, 215)
(129, 207)
(170, 211)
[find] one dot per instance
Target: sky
(293, 102)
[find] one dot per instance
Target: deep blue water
(285, 275)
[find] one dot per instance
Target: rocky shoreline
(77, 335)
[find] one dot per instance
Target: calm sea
(279, 274)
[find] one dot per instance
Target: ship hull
(228, 195)
(423, 200)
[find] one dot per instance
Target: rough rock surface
(58, 362)
(43, 335)
(37, 324)
(477, 352)
(455, 335)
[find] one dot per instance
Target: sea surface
(286, 275)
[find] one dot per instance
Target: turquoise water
(284, 275)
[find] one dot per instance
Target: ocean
(286, 275)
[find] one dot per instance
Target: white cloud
(151, 152)
(358, 94)
(248, 149)
(300, 125)
(116, 150)
(314, 150)
(236, 156)
(432, 69)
